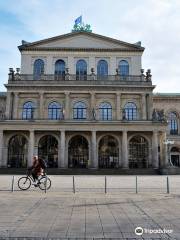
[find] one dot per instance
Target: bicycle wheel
(44, 183)
(24, 183)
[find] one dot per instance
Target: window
(79, 110)
(38, 69)
(105, 111)
(60, 70)
(102, 69)
(130, 111)
(124, 68)
(81, 70)
(28, 110)
(55, 111)
(173, 125)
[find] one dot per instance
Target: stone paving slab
(36, 214)
(90, 213)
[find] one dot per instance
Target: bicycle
(24, 183)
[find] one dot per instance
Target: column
(62, 163)
(15, 106)
(8, 105)
(163, 151)
(67, 112)
(118, 106)
(155, 160)
(31, 147)
(125, 163)
(41, 107)
(144, 107)
(1, 148)
(94, 162)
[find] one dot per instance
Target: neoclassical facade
(82, 100)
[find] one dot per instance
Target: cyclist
(37, 169)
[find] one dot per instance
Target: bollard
(45, 190)
(136, 185)
(12, 186)
(105, 184)
(167, 185)
(74, 190)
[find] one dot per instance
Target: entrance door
(78, 152)
(108, 152)
(48, 150)
(138, 152)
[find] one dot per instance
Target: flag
(78, 20)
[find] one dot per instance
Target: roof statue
(79, 26)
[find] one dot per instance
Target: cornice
(60, 49)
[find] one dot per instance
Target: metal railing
(103, 184)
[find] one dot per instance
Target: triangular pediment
(83, 40)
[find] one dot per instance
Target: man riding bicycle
(37, 169)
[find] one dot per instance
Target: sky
(156, 23)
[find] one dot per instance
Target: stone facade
(102, 114)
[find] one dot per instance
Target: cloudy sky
(155, 22)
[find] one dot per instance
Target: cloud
(155, 23)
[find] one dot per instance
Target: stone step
(84, 171)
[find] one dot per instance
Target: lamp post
(168, 143)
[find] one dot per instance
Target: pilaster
(62, 163)
(118, 106)
(31, 147)
(8, 105)
(1, 148)
(94, 162)
(155, 160)
(125, 163)
(15, 105)
(67, 102)
(144, 117)
(41, 108)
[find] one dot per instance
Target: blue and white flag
(78, 20)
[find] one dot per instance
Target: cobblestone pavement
(87, 215)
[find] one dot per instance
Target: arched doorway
(17, 152)
(48, 150)
(108, 152)
(175, 156)
(138, 152)
(78, 152)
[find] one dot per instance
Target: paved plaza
(90, 213)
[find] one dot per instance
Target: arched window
(55, 111)
(173, 123)
(123, 68)
(81, 70)
(28, 110)
(102, 69)
(38, 69)
(130, 111)
(105, 111)
(59, 70)
(79, 110)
